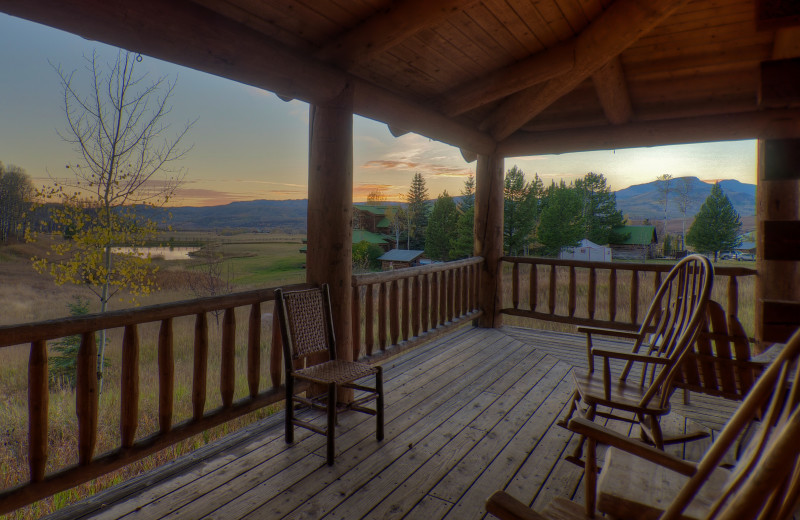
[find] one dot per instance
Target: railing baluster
(733, 296)
(382, 316)
(444, 285)
(394, 311)
(276, 352)
(656, 285)
(464, 307)
(452, 289)
(38, 402)
(200, 365)
(254, 350)
(592, 292)
(434, 300)
(406, 308)
(416, 306)
(356, 321)
(515, 285)
(612, 295)
(552, 296)
(533, 290)
(369, 317)
(635, 296)
(227, 372)
(425, 312)
(166, 375)
(86, 397)
(129, 391)
(572, 292)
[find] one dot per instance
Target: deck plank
(469, 413)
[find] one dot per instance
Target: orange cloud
(429, 168)
(392, 192)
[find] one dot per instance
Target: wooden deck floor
(467, 414)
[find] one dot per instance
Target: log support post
(330, 209)
(489, 237)
(777, 251)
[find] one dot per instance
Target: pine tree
(562, 221)
(599, 213)
(520, 212)
(440, 227)
(462, 243)
(716, 226)
(417, 212)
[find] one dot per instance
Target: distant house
(360, 235)
(747, 247)
(636, 242)
(586, 250)
(399, 258)
(371, 218)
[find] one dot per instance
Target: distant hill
(638, 202)
(641, 200)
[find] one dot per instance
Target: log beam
(498, 84)
(213, 43)
(787, 43)
(622, 24)
(489, 237)
(749, 125)
(330, 209)
(400, 21)
(612, 90)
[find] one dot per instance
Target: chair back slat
(765, 483)
(306, 318)
(671, 325)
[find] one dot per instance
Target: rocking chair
(667, 332)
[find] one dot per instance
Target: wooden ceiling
(513, 77)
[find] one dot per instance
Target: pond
(167, 253)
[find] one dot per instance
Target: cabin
(587, 250)
(371, 218)
(401, 258)
(495, 80)
(634, 242)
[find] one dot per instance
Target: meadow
(248, 261)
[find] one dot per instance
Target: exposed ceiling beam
(765, 124)
(398, 22)
(212, 43)
(622, 24)
(612, 90)
(500, 83)
(787, 43)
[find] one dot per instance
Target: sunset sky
(248, 144)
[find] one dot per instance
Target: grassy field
(249, 260)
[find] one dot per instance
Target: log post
(330, 209)
(777, 222)
(489, 237)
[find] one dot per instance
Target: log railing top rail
(58, 328)
(630, 266)
(407, 272)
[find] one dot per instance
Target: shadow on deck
(469, 413)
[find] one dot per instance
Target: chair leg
(655, 431)
(379, 403)
(331, 423)
(289, 412)
(576, 456)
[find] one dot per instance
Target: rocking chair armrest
(619, 333)
(603, 435)
(628, 356)
(505, 507)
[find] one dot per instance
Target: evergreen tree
(520, 212)
(599, 213)
(462, 243)
(716, 227)
(417, 212)
(441, 224)
(561, 222)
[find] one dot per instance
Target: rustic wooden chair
(307, 334)
(639, 481)
(667, 331)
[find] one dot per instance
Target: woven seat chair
(309, 352)
(667, 332)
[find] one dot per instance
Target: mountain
(287, 215)
(641, 200)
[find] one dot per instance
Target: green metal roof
(359, 235)
(375, 210)
(634, 235)
(384, 222)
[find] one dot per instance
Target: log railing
(131, 447)
(395, 310)
(601, 294)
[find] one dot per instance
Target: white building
(586, 250)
